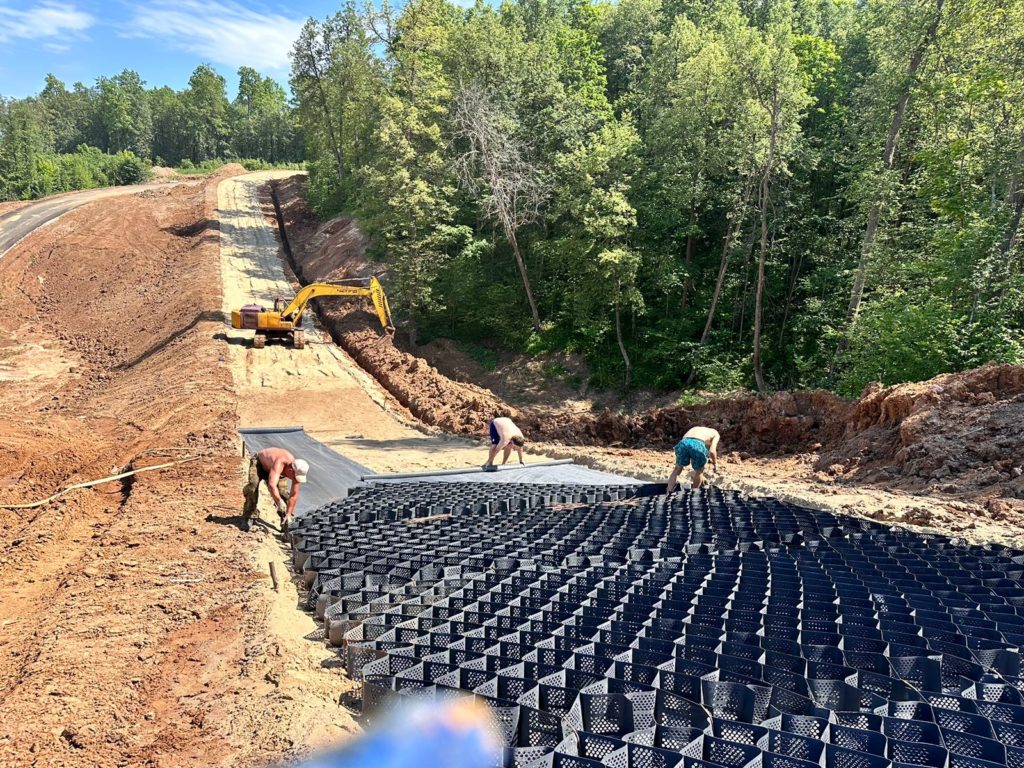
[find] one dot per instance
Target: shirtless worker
(505, 435)
(274, 466)
(695, 449)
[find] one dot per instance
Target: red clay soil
(127, 615)
(958, 434)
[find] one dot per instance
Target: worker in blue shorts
(505, 436)
(697, 447)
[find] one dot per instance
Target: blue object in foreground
(453, 734)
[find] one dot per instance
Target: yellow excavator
(284, 321)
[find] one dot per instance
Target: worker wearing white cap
(274, 466)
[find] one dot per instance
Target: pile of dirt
(163, 173)
(226, 171)
(955, 433)
(786, 422)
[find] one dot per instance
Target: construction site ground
(139, 625)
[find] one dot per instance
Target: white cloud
(42, 20)
(220, 31)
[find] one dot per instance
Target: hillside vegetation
(771, 194)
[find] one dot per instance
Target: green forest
(113, 132)
(710, 193)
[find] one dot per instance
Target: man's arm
(293, 498)
(713, 451)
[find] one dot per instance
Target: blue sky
(163, 40)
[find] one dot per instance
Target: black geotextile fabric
(711, 630)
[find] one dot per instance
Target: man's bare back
(278, 463)
(695, 457)
(270, 456)
(706, 435)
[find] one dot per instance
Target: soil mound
(956, 432)
(787, 422)
(163, 173)
(227, 170)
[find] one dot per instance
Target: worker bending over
(274, 466)
(505, 435)
(695, 449)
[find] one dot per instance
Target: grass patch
(691, 398)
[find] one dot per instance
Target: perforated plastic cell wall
(608, 628)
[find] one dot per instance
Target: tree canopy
(782, 193)
(110, 133)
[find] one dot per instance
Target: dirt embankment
(131, 626)
(957, 435)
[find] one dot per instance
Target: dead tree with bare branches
(493, 165)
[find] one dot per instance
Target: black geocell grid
(711, 630)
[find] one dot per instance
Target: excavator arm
(380, 303)
(374, 291)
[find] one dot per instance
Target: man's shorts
(494, 434)
(691, 451)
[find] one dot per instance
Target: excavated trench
(605, 625)
(787, 422)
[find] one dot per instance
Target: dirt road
(320, 386)
(24, 219)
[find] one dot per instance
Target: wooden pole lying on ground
(91, 483)
(273, 577)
